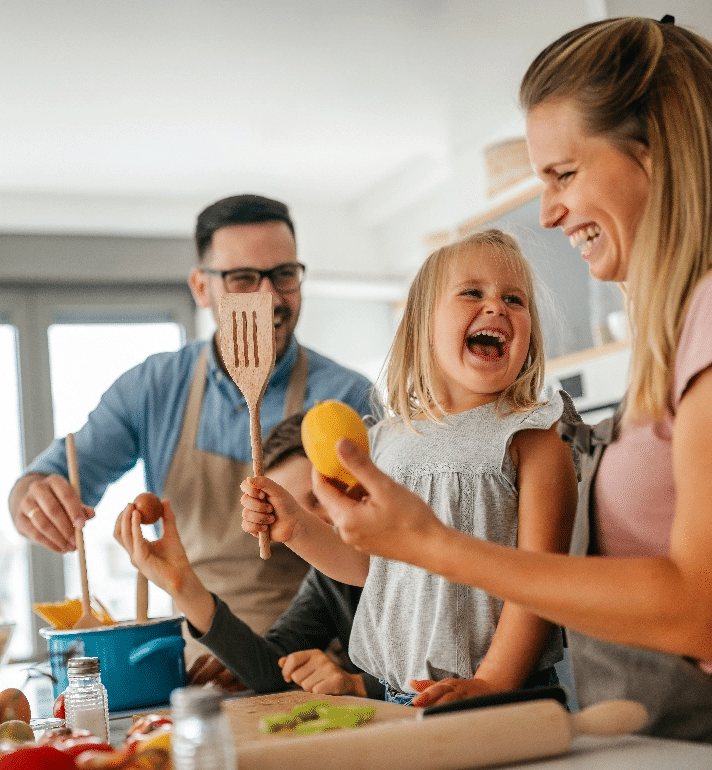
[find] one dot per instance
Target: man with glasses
(182, 414)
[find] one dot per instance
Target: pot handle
(174, 644)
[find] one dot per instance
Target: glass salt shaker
(201, 737)
(85, 701)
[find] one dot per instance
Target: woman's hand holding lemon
(375, 524)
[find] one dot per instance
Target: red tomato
(58, 707)
(37, 758)
(148, 724)
(73, 743)
(75, 748)
(136, 742)
(99, 760)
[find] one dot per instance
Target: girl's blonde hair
(409, 369)
(641, 82)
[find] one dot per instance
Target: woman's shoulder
(694, 350)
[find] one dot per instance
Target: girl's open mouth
(488, 344)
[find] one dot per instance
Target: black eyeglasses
(285, 278)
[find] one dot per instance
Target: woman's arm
(662, 603)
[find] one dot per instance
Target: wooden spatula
(248, 352)
(86, 619)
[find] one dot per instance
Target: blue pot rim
(48, 632)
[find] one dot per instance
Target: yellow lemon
(322, 426)
(158, 739)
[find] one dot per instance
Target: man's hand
(314, 671)
(46, 509)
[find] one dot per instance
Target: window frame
(31, 309)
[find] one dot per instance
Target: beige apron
(204, 491)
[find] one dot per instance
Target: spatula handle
(258, 467)
(73, 470)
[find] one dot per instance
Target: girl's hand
(314, 671)
(389, 521)
(447, 690)
(268, 506)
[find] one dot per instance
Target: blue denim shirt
(141, 414)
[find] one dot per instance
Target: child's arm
(547, 485)
(165, 563)
(267, 505)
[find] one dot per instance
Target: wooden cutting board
(396, 739)
(244, 713)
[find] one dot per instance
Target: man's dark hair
(237, 210)
(283, 441)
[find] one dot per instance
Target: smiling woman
(606, 107)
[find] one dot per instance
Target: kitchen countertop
(627, 752)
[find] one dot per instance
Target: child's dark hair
(283, 441)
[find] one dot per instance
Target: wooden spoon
(151, 509)
(248, 352)
(86, 619)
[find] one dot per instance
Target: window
(49, 339)
(108, 350)
(13, 547)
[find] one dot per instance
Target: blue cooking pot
(141, 663)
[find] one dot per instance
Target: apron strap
(297, 387)
(194, 404)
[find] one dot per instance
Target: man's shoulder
(319, 364)
(170, 365)
(329, 379)
(170, 360)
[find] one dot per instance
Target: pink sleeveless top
(634, 499)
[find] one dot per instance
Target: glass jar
(201, 738)
(85, 701)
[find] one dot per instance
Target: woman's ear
(198, 283)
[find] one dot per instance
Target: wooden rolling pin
(471, 739)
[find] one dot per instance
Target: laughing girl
(471, 435)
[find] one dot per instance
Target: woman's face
(593, 191)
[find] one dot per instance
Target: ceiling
(161, 106)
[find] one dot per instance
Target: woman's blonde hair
(409, 369)
(642, 82)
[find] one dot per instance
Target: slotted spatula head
(248, 350)
(247, 341)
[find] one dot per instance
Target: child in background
(469, 434)
(294, 649)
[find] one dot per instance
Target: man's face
(262, 245)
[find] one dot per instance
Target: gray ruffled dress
(411, 624)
